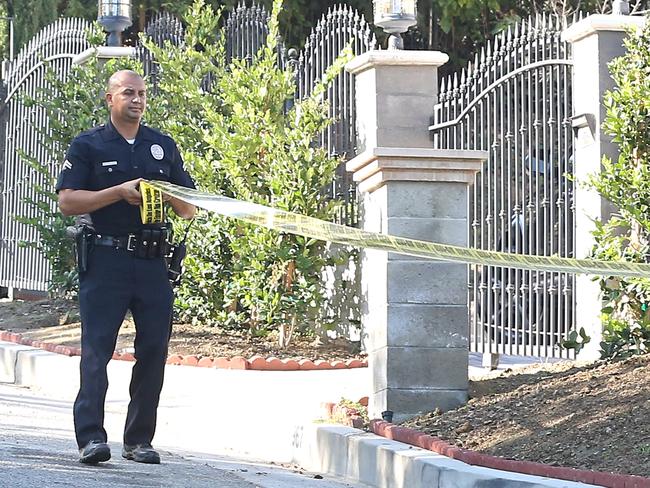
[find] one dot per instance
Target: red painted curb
(254, 363)
(425, 441)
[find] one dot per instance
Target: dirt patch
(591, 417)
(58, 322)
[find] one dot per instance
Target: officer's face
(127, 98)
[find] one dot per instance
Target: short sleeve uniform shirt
(101, 158)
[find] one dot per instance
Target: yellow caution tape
(283, 221)
(152, 209)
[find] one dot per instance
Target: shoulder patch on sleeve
(67, 165)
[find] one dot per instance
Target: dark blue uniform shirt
(101, 158)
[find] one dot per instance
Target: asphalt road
(37, 449)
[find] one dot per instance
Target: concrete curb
(267, 415)
(384, 463)
(258, 363)
(425, 441)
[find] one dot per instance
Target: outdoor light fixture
(114, 16)
(621, 7)
(395, 17)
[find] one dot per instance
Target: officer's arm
(182, 209)
(79, 202)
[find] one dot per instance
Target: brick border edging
(346, 415)
(431, 443)
(257, 363)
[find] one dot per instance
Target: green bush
(622, 339)
(625, 182)
(240, 140)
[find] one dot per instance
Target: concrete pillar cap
(371, 59)
(374, 167)
(601, 23)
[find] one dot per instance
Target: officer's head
(126, 96)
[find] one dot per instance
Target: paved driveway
(37, 450)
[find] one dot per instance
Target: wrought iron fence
(22, 266)
(161, 28)
(342, 26)
(514, 100)
(246, 31)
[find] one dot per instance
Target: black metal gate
(514, 101)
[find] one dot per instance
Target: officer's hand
(129, 191)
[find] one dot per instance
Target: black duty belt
(128, 242)
(147, 244)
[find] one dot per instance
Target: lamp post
(114, 16)
(620, 7)
(395, 17)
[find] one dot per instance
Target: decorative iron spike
(497, 46)
(517, 33)
(501, 36)
(373, 42)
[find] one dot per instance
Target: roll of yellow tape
(152, 209)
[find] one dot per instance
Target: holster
(82, 235)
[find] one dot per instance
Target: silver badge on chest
(157, 152)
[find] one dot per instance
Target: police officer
(100, 177)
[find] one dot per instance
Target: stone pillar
(596, 41)
(414, 310)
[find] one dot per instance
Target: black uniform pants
(115, 282)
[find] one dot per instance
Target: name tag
(109, 163)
